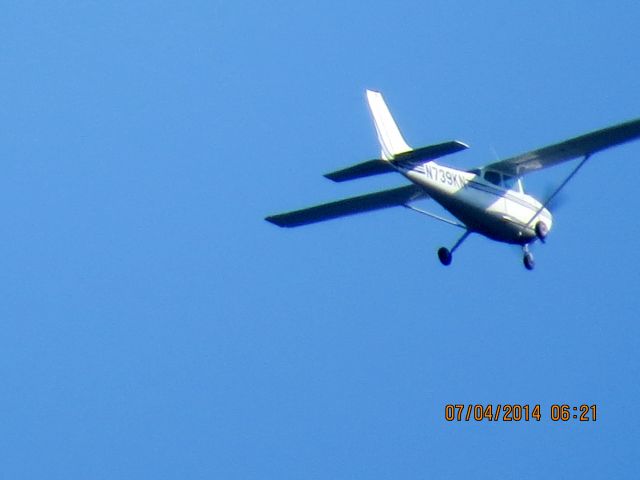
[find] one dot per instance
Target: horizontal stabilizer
(425, 154)
(360, 170)
(412, 157)
(350, 206)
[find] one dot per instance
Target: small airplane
(488, 200)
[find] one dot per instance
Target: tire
(541, 231)
(444, 255)
(528, 261)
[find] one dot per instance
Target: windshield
(492, 177)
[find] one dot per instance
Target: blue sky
(154, 326)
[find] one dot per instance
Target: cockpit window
(492, 177)
(510, 182)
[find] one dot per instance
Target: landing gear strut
(445, 255)
(528, 261)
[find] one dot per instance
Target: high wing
(350, 206)
(581, 146)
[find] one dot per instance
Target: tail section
(389, 135)
(395, 151)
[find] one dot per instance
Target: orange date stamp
(514, 412)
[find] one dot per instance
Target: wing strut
(557, 190)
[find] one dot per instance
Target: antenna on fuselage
(495, 153)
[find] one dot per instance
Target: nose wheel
(527, 259)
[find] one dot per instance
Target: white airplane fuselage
(499, 213)
(488, 200)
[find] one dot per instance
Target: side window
(509, 182)
(492, 177)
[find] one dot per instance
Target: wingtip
(275, 220)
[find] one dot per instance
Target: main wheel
(528, 261)
(444, 255)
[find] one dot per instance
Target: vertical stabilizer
(389, 136)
